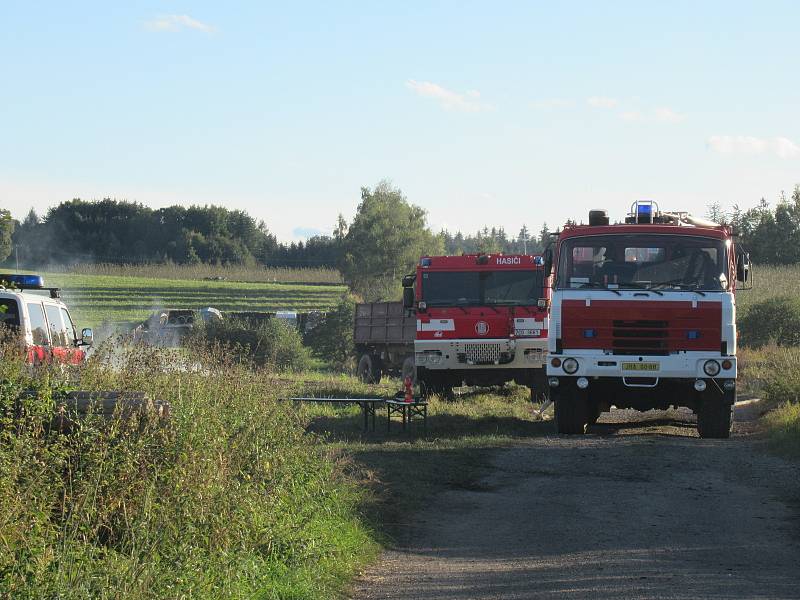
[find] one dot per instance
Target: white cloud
(177, 23)
(662, 114)
(631, 115)
(602, 102)
(785, 148)
(448, 99)
(667, 114)
(742, 144)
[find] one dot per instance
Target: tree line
(771, 234)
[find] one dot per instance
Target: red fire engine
(481, 320)
(644, 317)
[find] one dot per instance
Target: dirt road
(641, 508)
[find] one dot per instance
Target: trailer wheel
(409, 369)
(571, 411)
(369, 369)
(714, 416)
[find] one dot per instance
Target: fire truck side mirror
(743, 267)
(548, 262)
(408, 298)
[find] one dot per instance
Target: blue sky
(483, 113)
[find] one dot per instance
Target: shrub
(272, 343)
(227, 498)
(332, 339)
(773, 320)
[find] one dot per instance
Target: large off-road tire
(715, 416)
(369, 369)
(409, 369)
(571, 411)
(594, 411)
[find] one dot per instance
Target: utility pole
(16, 254)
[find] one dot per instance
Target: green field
(768, 281)
(97, 299)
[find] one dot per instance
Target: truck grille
(640, 337)
(480, 354)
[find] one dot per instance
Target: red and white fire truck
(37, 315)
(481, 320)
(644, 317)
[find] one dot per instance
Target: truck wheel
(369, 370)
(571, 411)
(594, 411)
(714, 417)
(409, 369)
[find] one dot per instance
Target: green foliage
(775, 320)
(273, 343)
(771, 235)
(227, 498)
(384, 242)
(6, 231)
(332, 339)
(118, 231)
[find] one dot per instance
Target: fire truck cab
(37, 315)
(481, 320)
(644, 317)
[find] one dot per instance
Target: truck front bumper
(684, 365)
(473, 354)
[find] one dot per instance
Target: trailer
(384, 334)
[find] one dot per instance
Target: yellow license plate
(640, 366)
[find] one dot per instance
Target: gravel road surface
(640, 508)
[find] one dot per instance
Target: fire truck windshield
(482, 288)
(653, 262)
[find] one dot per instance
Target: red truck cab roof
(482, 262)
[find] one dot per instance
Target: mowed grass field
(97, 299)
(767, 282)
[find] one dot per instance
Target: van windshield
(482, 288)
(652, 262)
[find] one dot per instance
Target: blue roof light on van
(31, 282)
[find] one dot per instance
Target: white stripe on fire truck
(436, 325)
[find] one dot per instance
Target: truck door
(62, 344)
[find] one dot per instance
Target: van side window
(71, 333)
(38, 324)
(58, 330)
(9, 314)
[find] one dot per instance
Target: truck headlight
(570, 366)
(430, 357)
(711, 368)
